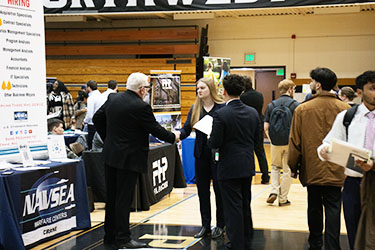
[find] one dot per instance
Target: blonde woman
(206, 103)
(347, 94)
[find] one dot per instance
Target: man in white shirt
(112, 88)
(94, 102)
(358, 135)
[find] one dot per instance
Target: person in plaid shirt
(60, 102)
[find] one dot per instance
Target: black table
(38, 205)
(70, 138)
(164, 173)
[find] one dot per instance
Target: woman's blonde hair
(348, 92)
(198, 104)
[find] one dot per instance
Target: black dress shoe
(203, 233)
(132, 244)
(217, 232)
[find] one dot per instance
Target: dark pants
(205, 171)
(330, 198)
(90, 135)
(120, 186)
(261, 155)
(351, 199)
(236, 195)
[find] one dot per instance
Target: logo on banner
(166, 83)
(47, 204)
(159, 177)
(20, 116)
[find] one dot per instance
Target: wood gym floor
(171, 223)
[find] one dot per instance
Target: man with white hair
(124, 123)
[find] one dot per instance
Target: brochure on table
(56, 147)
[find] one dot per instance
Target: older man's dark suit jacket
(124, 123)
(235, 131)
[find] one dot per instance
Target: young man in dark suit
(235, 132)
(254, 99)
(124, 123)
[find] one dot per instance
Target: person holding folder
(206, 103)
(359, 133)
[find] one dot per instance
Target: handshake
(177, 135)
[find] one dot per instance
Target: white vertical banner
(23, 77)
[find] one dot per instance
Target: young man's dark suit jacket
(235, 131)
(124, 123)
(254, 99)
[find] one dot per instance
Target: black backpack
(280, 120)
(349, 115)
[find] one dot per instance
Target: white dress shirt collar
(231, 100)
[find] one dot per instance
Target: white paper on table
(65, 160)
(6, 165)
(41, 162)
(204, 125)
(30, 168)
(340, 151)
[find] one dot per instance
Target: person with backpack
(277, 120)
(311, 122)
(355, 126)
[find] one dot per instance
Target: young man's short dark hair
(248, 83)
(82, 95)
(92, 84)
(361, 80)
(326, 77)
(52, 123)
(112, 84)
(233, 85)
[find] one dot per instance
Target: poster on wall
(165, 90)
(171, 121)
(216, 68)
(22, 79)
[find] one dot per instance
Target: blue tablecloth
(188, 161)
(38, 205)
